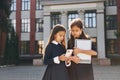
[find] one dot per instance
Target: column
(118, 20)
(64, 22)
(18, 21)
(46, 27)
(32, 27)
(64, 19)
(81, 15)
(100, 34)
(101, 39)
(118, 14)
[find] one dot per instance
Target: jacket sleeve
(48, 58)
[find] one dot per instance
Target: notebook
(85, 45)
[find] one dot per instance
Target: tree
(4, 14)
(117, 34)
(11, 55)
(4, 17)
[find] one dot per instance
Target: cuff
(67, 64)
(56, 60)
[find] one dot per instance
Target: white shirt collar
(55, 42)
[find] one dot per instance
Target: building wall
(64, 7)
(80, 8)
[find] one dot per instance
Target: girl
(79, 71)
(54, 55)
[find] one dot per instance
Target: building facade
(34, 19)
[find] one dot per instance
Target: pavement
(30, 72)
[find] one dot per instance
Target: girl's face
(59, 37)
(76, 31)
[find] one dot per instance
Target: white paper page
(83, 44)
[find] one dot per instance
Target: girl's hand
(75, 59)
(76, 50)
(63, 58)
(89, 52)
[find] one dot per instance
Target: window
(13, 21)
(110, 2)
(71, 16)
(55, 19)
(39, 47)
(90, 19)
(25, 25)
(94, 43)
(111, 22)
(39, 25)
(38, 5)
(25, 4)
(13, 5)
(112, 46)
(25, 47)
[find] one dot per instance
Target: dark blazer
(53, 50)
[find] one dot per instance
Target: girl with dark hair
(78, 71)
(54, 55)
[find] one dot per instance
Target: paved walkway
(36, 72)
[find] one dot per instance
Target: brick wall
(18, 20)
(118, 11)
(32, 26)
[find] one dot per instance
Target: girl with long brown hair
(78, 71)
(54, 55)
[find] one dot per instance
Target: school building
(34, 19)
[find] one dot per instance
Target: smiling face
(60, 36)
(76, 31)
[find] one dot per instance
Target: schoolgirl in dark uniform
(78, 71)
(54, 55)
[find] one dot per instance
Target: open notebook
(85, 45)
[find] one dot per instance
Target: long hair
(57, 28)
(76, 22)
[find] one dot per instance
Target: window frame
(55, 19)
(38, 5)
(39, 25)
(25, 47)
(111, 2)
(13, 22)
(92, 19)
(25, 5)
(112, 21)
(13, 5)
(71, 16)
(26, 27)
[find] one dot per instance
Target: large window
(111, 22)
(110, 2)
(90, 19)
(39, 25)
(38, 5)
(13, 5)
(25, 47)
(25, 4)
(13, 21)
(71, 16)
(39, 47)
(25, 25)
(55, 19)
(112, 46)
